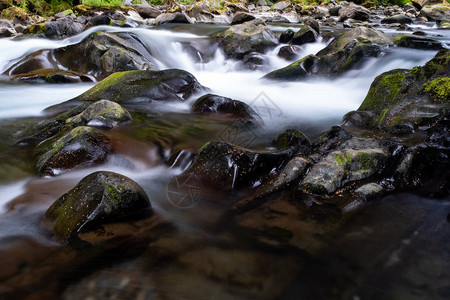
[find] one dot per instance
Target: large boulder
(438, 12)
(213, 104)
(417, 42)
(60, 28)
(147, 11)
(341, 55)
(397, 19)
(134, 87)
(98, 198)
(399, 101)
(355, 12)
(177, 18)
(81, 147)
(99, 55)
(304, 35)
(241, 39)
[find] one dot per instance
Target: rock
(213, 104)
(416, 42)
(331, 139)
(369, 191)
(7, 31)
(177, 18)
(438, 12)
(98, 198)
(402, 100)
(241, 39)
(424, 169)
(286, 36)
(354, 12)
(14, 13)
(253, 61)
(241, 17)
(99, 55)
(133, 87)
(409, 8)
(282, 5)
(230, 167)
(397, 19)
(356, 159)
(61, 28)
(293, 138)
(147, 11)
(304, 35)
(53, 76)
(288, 52)
(341, 55)
(81, 147)
(334, 11)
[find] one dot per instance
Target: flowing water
(311, 106)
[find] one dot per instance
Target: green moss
(203, 147)
(382, 116)
(439, 89)
(365, 160)
(36, 29)
(314, 189)
(417, 72)
(114, 194)
(102, 3)
(340, 159)
(383, 91)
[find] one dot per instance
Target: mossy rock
(13, 12)
(414, 42)
(292, 137)
(439, 89)
(134, 87)
(81, 147)
(98, 198)
(241, 39)
(53, 76)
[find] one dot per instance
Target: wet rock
(293, 138)
(286, 36)
(134, 87)
(147, 11)
(61, 28)
(241, 39)
(53, 76)
(369, 191)
(438, 12)
(98, 198)
(81, 147)
(416, 42)
(177, 18)
(425, 170)
(241, 17)
(397, 19)
(331, 139)
(253, 61)
(357, 159)
(334, 11)
(213, 104)
(354, 12)
(99, 55)
(402, 100)
(231, 167)
(341, 55)
(288, 52)
(304, 35)
(7, 31)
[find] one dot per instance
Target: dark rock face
(177, 18)
(231, 167)
(53, 76)
(99, 55)
(341, 55)
(288, 52)
(98, 198)
(241, 39)
(142, 86)
(416, 42)
(81, 147)
(304, 35)
(61, 28)
(241, 17)
(213, 104)
(397, 19)
(287, 36)
(399, 101)
(147, 11)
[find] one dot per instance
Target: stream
(394, 248)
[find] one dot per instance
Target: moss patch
(439, 89)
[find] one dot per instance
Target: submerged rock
(213, 104)
(81, 147)
(99, 55)
(342, 54)
(98, 198)
(241, 39)
(134, 87)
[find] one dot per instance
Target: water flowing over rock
(241, 39)
(98, 198)
(99, 55)
(134, 87)
(341, 55)
(81, 147)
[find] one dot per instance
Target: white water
(279, 103)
